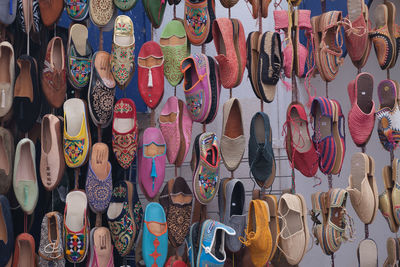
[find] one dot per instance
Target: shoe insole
(4, 161)
(3, 227)
(365, 86)
(5, 60)
(124, 40)
(221, 49)
(387, 94)
(52, 225)
(237, 201)
(368, 253)
(74, 114)
(156, 228)
(114, 210)
(381, 15)
(359, 169)
(79, 35)
(103, 68)
(173, 41)
(25, 167)
(217, 248)
(102, 244)
(299, 132)
(99, 160)
(26, 259)
(150, 61)
(234, 124)
(76, 206)
(23, 84)
(153, 150)
(46, 142)
(354, 9)
(259, 130)
(123, 125)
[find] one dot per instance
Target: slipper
(50, 11)
(386, 208)
(99, 161)
(101, 12)
(77, 10)
(8, 11)
(101, 249)
(304, 223)
(392, 247)
(239, 43)
(373, 185)
(7, 156)
(197, 21)
(253, 55)
(155, 11)
(283, 23)
(316, 42)
(7, 77)
(125, 5)
(367, 253)
(391, 23)
(337, 133)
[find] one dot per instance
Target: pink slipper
(169, 126)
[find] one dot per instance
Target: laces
(250, 236)
(53, 250)
(358, 31)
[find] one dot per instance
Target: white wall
(379, 231)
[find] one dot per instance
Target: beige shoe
(392, 246)
(396, 190)
(360, 187)
(385, 200)
(7, 77)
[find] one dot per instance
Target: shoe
(155, 235)
(122, 51)
(151, 159)
(261, 154)
(256, 5)
(396, 190)
(155, 11)
(338, 135)
(253, 55)
(80, 55)
(385, 201)
(101, 12)
(233, 141)
(77, 10)
(239, 42)
(50, 11)
(392, 246)
(201, 87)
(198, 21)
(361, 63)
(367, 253)
(99, 180)
(8, 11)
(120, 216)
(6, 160)
(24, 253)
(52, 164)
(381, 37)
(124, 132)
(29, 17)
(77, 140)
(282, 25)
(101, 92)
(299, 147)
(175, 261)
(175, 47)
(25, 181)
(205, 163)
(192, 243)
(124, 5)
(27, 95)
(301, 21)
(6, 232)
(273, 223)
(151, 73)
(51, 250)
(7, 81)
(258, 235)
(101, 249)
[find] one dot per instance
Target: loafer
(120, 217)
(124, 132)
(99, 180)
(6, 232)
(8, 11)
(101, 12)
(80, 55)
(198, 22)
(52, 164)
(261, 154)
(8, 80)
(50, 11)
(24, 252)
(101, 249)
(151, 159)
(76, 226)
(122, 51)
(205, 163)
(174, 45)
(155, 235)
(6, 159)
(77, 10)
(151, 74)
(77, 141)
(367, 253)
(51, 250)
(233, 142)
(25, 181)
(101, 92)
(155, 11)
(211, 233)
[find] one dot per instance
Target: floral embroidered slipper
(122, 51)
(101, 92)
(155, 11)
(101, 12)
(151, 73)
(175, 48)
(125, 5)
(77, 10)
(76, 226)
(197, 21)
(79, 56)
(124, 132)
(77, 140)
(120, 216)
(99, 181)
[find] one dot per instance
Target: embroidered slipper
(77, 10)
(125, 5)
(155, 11)
(175, 48)
(253, 55)
(101, 12)
(7, 77)
(122, 51)
(198, 22)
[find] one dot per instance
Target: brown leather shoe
(50, 11)
(52, 162)
(54, 83)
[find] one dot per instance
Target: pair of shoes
(388, 114)
(124, 216)
(264, 63)
(233, 141)
(205, 166)
(362, 187)
(151, 74)
(101, 249)
(231, 198)
(261, 154)
(328, 137)
(176, 199)
(51, 248)
(327, 50)
(24, 252)
(331, 233)
(230, 44)
(155, 11)
(201, 86)
(206, 243)
(385, 35)
(199, 18)
(176, 127)
(175, 47)
(392, 247)
(357, 26)
(294, 53)
(299, 147)
(361, 119)
(151, 161)
(259, 7)
(367, 253)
